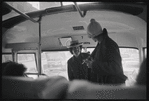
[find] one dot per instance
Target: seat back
(85, 90)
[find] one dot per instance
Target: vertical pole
(140, 44)
(61, 4)
(140, 55)
(39, 50)
(14, 55)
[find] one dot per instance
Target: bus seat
(83, 90)
(28, 88)
(59, 88)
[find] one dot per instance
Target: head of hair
(10, 68)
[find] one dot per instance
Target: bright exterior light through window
(72, 3)
(35, 4)
(68, 3)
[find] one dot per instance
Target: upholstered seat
(60, 88)
(27, 88)
(85, 90)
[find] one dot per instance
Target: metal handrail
(39, 46)
(78, 9)
(39, 22)
(23, 14)
(61, 4)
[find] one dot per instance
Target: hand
(88, 62)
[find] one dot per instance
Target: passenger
(141, 78)
(57, 87)
(10, 68)
(105, 63)
(80, 89)
(77, 70)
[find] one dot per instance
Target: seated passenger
(76, 68)
(10, 68)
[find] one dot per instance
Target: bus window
(55, 63)
(29, 61)
(145, 52)
(90, 50)
(130, 62)
(6, 57)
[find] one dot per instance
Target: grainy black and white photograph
(74, 50)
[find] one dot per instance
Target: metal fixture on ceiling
(78, 9)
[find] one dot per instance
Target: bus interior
(37, 34)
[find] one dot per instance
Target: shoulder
(110, 42)
(70, 59)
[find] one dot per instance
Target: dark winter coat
(77, 70)
(107, 65)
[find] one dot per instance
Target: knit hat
(94, 28)
(74, 43)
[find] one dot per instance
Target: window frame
(144, 52)
(56, 51)
(35, 61)
(8, 53)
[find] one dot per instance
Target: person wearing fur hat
(106, 65)
(77, 70)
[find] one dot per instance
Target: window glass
(55, 63)
(90, 50)
(33, 76)
(145, 52)
(6, 57)
(29, 61)
(130, 62)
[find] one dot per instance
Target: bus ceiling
(130, 8)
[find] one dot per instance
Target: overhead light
(78, 28)
(65, 40)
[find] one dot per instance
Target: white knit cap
(94, 28)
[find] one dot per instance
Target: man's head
(75, 48)
(11, 68)
(94, 31)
